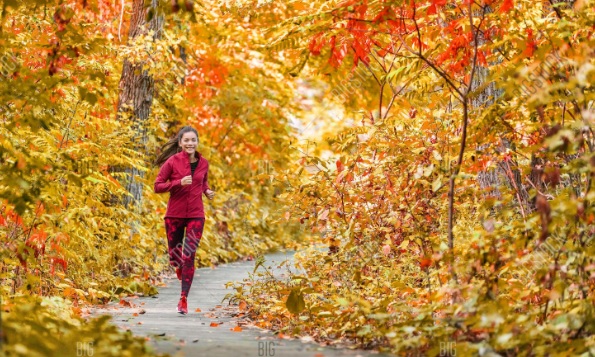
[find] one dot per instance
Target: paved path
(193, 335)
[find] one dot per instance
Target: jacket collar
(184, 156)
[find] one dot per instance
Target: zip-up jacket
(184, 201)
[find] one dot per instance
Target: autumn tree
(81, 98)
(137, 88)
(454, 90)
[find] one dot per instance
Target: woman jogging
(183, 174)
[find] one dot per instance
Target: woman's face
(188, 142)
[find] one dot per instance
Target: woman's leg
(174, 227)
(194, 229)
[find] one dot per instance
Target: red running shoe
(183, 306)
(179, 273)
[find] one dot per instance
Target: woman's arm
(162, 182)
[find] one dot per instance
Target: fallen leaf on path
(198, 310)
(263, 324)
(236, 329)
(214, 324)
(243, 306)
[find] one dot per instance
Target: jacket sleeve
(205, 182)
(162, 182)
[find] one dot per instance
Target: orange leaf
(197, 310)
(21, 163)
(236, 329)
(243, 306)
(214, 324)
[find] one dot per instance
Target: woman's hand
(210, 194)
(186, 180)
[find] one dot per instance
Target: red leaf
(412, 113)
(54, 261)
(317, 43)
(531, 44)
(338, 54)
(383, 15)
(506, 6)
(431, 10)
(425, 262)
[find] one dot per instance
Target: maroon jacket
(184, 201)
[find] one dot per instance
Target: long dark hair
(172, 147)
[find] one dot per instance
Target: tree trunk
(136, 92)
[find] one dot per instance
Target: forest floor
(213, 329)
